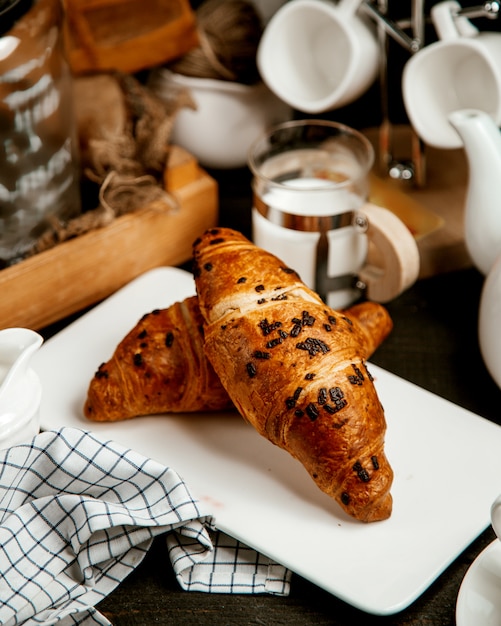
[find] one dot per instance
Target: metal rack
(410, 34)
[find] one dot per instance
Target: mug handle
(449, 26)
(393, 261)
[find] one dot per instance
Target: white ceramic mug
(318, 55)
(460, 71)
(310, 184)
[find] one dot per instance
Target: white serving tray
(447, 464)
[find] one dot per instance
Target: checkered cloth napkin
(78, 514)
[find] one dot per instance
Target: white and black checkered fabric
(228, 567)
(77, 515)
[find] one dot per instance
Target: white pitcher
(482, 214)
(20, 388)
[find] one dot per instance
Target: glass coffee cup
(311, 183)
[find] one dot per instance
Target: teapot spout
(481, 139)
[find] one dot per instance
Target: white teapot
(489, 322)
(482, 222)
(482, 215)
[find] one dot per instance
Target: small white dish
(228, 118)
(20, 387)
(479, 598)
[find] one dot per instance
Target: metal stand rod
(414, 170)
(489, 10)
(390, 27)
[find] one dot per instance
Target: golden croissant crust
(158, 367)
(296, 369)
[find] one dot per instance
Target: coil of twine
(229, 32)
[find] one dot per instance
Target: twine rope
(211, 57)
(229, 32)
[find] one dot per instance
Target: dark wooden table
(433, 344)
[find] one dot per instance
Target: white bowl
(228, 118)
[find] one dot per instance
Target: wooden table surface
(433, 344)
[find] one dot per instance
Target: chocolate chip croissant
(158, 367)
(296, 370)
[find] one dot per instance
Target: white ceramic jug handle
(393, 261)
(448, 26)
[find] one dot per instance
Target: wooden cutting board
(435, 211)
(80, 272)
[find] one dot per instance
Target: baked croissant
(158, 367)
(295, 369)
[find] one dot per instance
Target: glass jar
(39, 173)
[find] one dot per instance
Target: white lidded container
(20, 387)
(228, 117)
